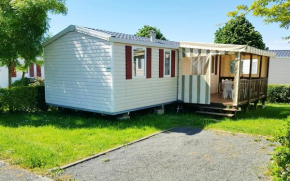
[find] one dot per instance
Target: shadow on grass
(141, 119)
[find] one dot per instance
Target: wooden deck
(217, 98)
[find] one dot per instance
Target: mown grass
(43, 140)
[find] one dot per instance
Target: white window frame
(144, 67)
(166, 50)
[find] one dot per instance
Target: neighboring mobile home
(280, 67)
(32, 72)
(113, 73)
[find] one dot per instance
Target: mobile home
(113, 73)
(279, 70)
(33, 71)
(108, 72)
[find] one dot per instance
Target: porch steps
(219, 108)
(218, 111)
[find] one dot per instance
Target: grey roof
(281, 53)
(135, 37)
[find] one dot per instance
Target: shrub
(281, 158)
(23, 99)
(279, 93)
(22, 82)
(37, 82)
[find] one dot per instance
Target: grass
(44, 140)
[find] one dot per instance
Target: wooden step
(215, 113)
(219, 108)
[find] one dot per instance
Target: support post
(179, 84)
(250, 77)
(260, 73)
(237, 79)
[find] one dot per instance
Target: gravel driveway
(182, 154)
(10, 173)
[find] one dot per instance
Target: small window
(212, 64)
(139, 62)
(167, 65)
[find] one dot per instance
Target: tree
(273, 11)
(145, 32)
(24, 24)
(241, 32)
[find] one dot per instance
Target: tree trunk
(9, 76)
(23, 75)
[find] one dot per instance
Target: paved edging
(113, 149)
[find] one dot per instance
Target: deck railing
(252, 90)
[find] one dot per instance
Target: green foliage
(145, 32)
(37, 82)
(281, 159)
(272, 11)
(22, 82)
(279, 93)
(241, 32)
(24, 24)
(23, 99)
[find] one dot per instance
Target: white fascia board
(73, 28)
(134, 42)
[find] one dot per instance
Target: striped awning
(223, 49)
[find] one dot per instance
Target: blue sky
(195, 20)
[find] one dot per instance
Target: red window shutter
(148, 63)
(216, 64)
(31, 70)
(128, 54)
(38, 70)
(13, 72)
(161, 62)
(172, 63)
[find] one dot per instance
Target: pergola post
(237, 79)
(179, 84)
(250, 77)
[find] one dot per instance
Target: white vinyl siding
(138, 93)
(279, 71)
(76, 72)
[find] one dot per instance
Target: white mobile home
(113, 73)
(107, 72)
(279, 69)
(32, 72)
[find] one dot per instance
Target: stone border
(113, 149)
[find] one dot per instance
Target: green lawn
(40, 141)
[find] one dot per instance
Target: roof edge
(74, 28)
(135, 42)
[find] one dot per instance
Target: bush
(23, 99)
(22, 82)
(37, 82)
(279, 93)
(281, 158)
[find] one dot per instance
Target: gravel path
(182, 154)
(9, 173)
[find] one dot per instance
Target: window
(212, 64)
(167, 65)
(246, 66)
(232, 66)
(139, 69)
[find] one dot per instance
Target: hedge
(281, 158)
(279, 93)
(28, 98)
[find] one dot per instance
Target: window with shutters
(167, 63)
(139, 66)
